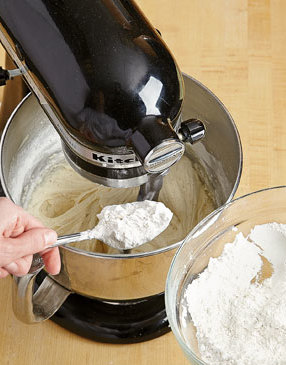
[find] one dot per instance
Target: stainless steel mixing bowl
(29, 140)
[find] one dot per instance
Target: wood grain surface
(237, 48)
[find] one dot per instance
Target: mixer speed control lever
(192, 130)
(6, 75)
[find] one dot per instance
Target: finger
(52, 261)
(27, 220)
(20, 267)
(15, 231)
(14, 220)
(3, 273)
(28, 243)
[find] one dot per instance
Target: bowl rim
(170, 299)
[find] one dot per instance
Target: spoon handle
(69, 238)
(76, 237)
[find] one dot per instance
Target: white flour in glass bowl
(238, 303)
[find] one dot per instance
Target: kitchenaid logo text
(114, 159)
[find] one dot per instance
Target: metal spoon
(77, 237)
(111, 213)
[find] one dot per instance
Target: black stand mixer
(107, 82)
(113, 92)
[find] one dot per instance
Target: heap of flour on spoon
(126, 226)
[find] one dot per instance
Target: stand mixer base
(123, 322)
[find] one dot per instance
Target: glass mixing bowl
(207, 240)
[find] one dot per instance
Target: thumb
(32, 241)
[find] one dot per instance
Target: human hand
(21, 236)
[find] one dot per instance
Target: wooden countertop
(237, 49)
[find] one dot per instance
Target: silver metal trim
(163, 156)
(108, 160)
(113, 183)
(21, 65)
(14, 73)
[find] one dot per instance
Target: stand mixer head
(107, 82)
